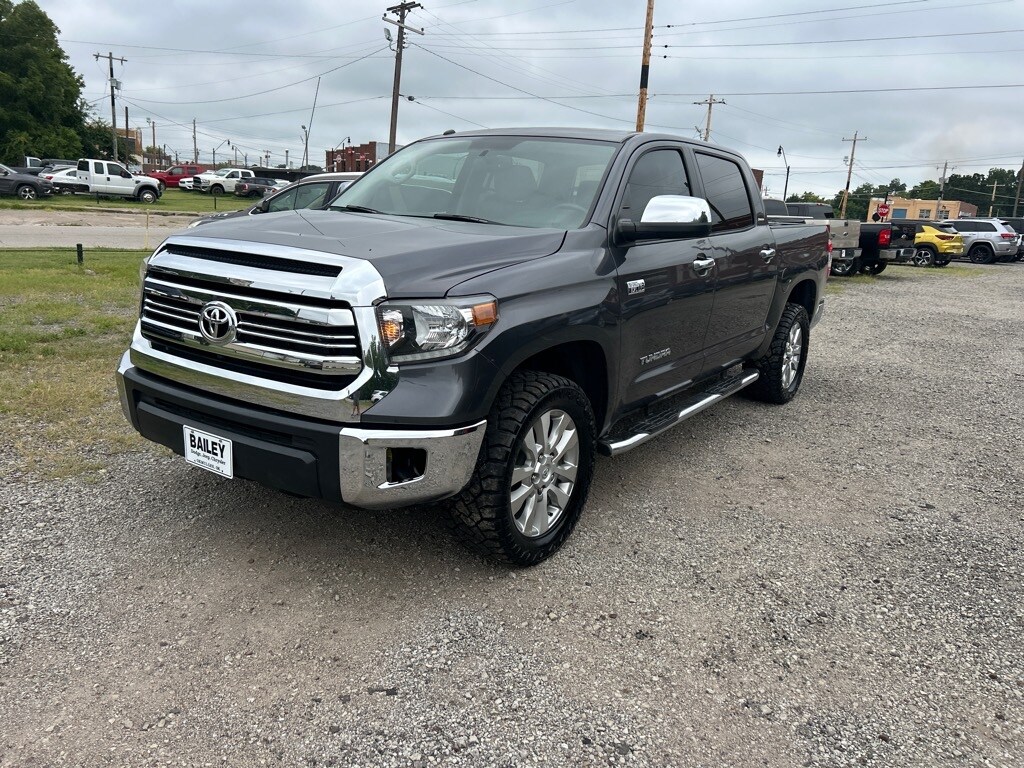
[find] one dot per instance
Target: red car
(174, 174)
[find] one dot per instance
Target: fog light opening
(405, 464)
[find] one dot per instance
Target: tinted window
(283, 202)
(311, 195)
(659, 172)
(726, 193)
(97, 168)
(775, 208)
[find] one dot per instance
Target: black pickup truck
(474, 319)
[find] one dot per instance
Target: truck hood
(416, 257)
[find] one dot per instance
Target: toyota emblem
(217, 322)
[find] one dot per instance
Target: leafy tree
(40, 94)
(805, 197)
(924, 190)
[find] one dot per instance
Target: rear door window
(726, 193)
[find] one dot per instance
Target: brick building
(356, 158)
(905, 208)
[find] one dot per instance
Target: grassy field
(63, 328)
(172, 200)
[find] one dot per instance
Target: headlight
(434, 329)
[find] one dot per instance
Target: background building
(904, 208)
(356, 158)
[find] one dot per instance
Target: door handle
(703, 266)
(767, 254)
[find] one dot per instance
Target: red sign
(883, 210)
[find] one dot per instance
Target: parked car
(220, 181)
(258, 186)
(476, 318)
(314, 192)
(986, 240)
(1018, 226)
(65, 181)
(935, 243)
(845, 234)
(104, 177)
(173, 176)
(185, 185)
(24, 185)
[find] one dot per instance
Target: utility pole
(849, 173)
(1016, 197)
(156, 150)
(400, 11)
(195, 146)
(942, 189)
(991, 205)
(645, 67)
(710, 101)
(113, 106)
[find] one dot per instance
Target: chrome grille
(319, 337)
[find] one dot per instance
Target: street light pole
(226, 141)
(782, 153)
(305, 146)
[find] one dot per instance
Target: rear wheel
(533, 473)
(846, 268)
(942, 262)
(27, 192)
(981, 254)
(924, 256)
(874, 267)
(782, 367)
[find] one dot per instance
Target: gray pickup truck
(474, 319)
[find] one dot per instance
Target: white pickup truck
(105, 177)
(220, 181)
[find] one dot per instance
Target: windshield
(223, 172)
(522, 181)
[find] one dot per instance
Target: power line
(851, 40)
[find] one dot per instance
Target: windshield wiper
(461, 217)
(355, 209)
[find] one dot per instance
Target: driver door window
(283, 202)
(311, 195)
(659, 172)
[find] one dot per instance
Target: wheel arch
(804, 293)
(583, 361)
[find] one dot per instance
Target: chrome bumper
(363, 462)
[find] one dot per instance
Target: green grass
(63, 328)
(173, 200)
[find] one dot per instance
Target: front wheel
(533, 473)
(782, 367)
(147, 196)
(941, 262)
(217, 191)
(27, 192)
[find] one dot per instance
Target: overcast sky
(247, 72)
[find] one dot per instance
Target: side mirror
(667, 217)
(262, 207)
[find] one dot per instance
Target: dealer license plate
(210, 452)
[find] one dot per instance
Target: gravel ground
(836, 582)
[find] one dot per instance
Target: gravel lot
(836, 582)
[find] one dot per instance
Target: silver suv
(986, 240)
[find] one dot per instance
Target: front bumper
(368, 468)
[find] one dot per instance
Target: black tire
(981, 254)
(941, 262)
(484, 515)
(874, 268)
(163, 187)
(846, 268)
(217, 190)
(27, 192)
(780, 381)
(925, 256)
(147, 196)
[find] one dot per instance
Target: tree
(924, 190)
(806, 197)
(41, 112)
